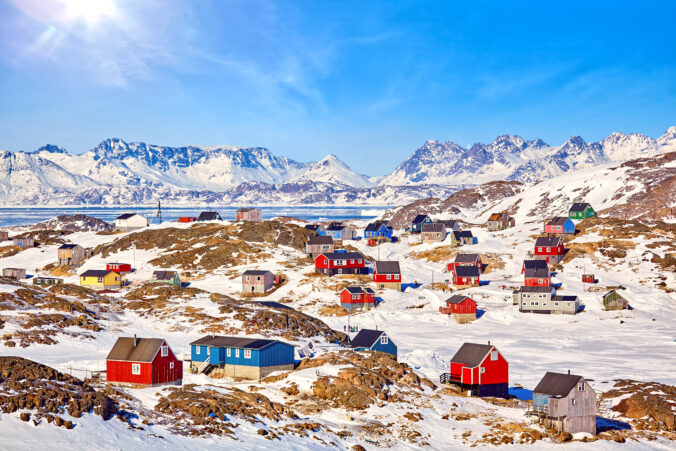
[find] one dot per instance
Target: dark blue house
(317, 228)
(378, 229)
(373, 340)
(249, 358)
(418, 221)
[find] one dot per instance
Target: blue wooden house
(243, 357)
(418, 221)
(373, 340)
(317, 228)
(378, 229)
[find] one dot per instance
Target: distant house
(256, 281)
(130, 221)
(500, 221)
(187, 219)
(341, 232)
(318, 244)
(526, 297)
(560, 226)
(533, 264)
(249, 214)
(70, 254)
(566, 402)
(431, 233)
(466, 276)
(480, 369)
(540, 300)
(4, 235)
(144, 362)
(100, 280)
(549, 248)
(378, 229)
(332, 263)
(240, 357)
(613, 301)
(14, 273)
(317, 228)
(209, 216)
(418, 221)
(451, 224)
(168, 277)
(24, 243)
(46, 281)
(461, 238)
(120, 268)
(588, 278)
(537, 277)
(357, 298)
(581, 210)
(386, 274)
(373, 340)
(466, 260)
(462, 308)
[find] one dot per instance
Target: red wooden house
(537, 277)
(588, 278)
(462, 308)
(143, 362)
(387, 274)
(466, 275)
(549, 248)
(187, 218)
(120, 268)
(466, 260)
(481, 369)
(355, 298)
(533, 264)
(330, 263)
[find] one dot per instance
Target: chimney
(568, 371)
(489, 342)
(135, 340)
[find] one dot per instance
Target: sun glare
(91, 11)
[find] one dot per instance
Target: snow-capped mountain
(332, 170)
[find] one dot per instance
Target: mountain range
(117, 172)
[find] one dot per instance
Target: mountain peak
(51, 148)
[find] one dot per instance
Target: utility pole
(159, 211)
(133, 247)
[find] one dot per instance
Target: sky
(367, 81)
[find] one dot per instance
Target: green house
(581, 210)
(168, 277)
(613, 301)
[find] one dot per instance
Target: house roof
(144, 351)
(495, 217)
(256, 272)
(333, 227)
(126, 216)
(164, 275)
(387, 267)
(539, 273)
(557, 384)
(317, 239)
(376, 225)
(245, 209)
(579, 206)
(359, 290)
(462, 234)
(561, 298)
(548, 241)
(313, 227)
(535, 264)
(471, 354)
(220, 341)
(366, 338)
(209, 216)
(433, 227)
(467, 271)
(559, 220)
(525, 289)
(611, 292)
(418, 219)
(274, 304)
(467, 258)
(457, 299)
(343, 255)
(95, 273)
(68, 246)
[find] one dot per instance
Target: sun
(91, 11)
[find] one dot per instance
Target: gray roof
(343, 255)
(318, 239)
(254, 272)
(209, 216)
(164, 275)
(559, 220)
(335, 226)
(359, 290)
(467, 271)
(68, 246)
(463, 234)
(433, 227)
(418, 219)
(366, 338)
(95, 273)
(539, 273)
(561, 298)
(144, 351)
(457, 299)
(467, 258)
(579, 206)
(387, 267)
(525, 289)
(471, 354)
(538, 263)
(557, 384)
(220, 341)
(126, 216)
(548, 241)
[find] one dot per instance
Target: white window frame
(136, 369)
(396, 277)
(389, 277)
(247, 353)
(237, 353)
(171, 365)
(164, 351)
(483, 370)
(384, 340)
(227, 352)
(494, 355)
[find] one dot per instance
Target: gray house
(317, 244)
(542, 300)
(24, 243)
(70, 254)
(434, 232)
(14, 273)
(566, 402)
(525, 296)
(257, 281)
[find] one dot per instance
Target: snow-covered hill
(332, 170)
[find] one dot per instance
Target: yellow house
(100, 280)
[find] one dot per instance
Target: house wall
(272, 355)
(14, 273)
(134, 223)
(389, 348)
(470, 281)
(118, 371)
(536, 282)
(316, 249)
(464, 317)
(24, 243)
(579, 416)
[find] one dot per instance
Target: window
(548, 249)
(396, 277)
(359, 261)
(171, 365)
(556, 303)
(580, 386)
(136, 368)
(236, 352)
(247, 353)
(483, 370)
(384, 340)
(389, 277)
(227, 352)
(351, 262)
(354, 296)
(164, 350)
(494, 355)
(573, 401)
(99, 279)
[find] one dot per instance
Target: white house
(130, 221)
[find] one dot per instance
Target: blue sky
(367, 81)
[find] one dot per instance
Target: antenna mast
(159, 211)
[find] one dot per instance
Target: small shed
(463, 308)
(131, 221)
(186, 219)
(14, 273)
(257, 281)
(209, 216)
(612, 300)
(588, 278)
(169, 277)
(4, 235)
(24, 243)
(120, 268)
(47, 281)
(249, 214)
